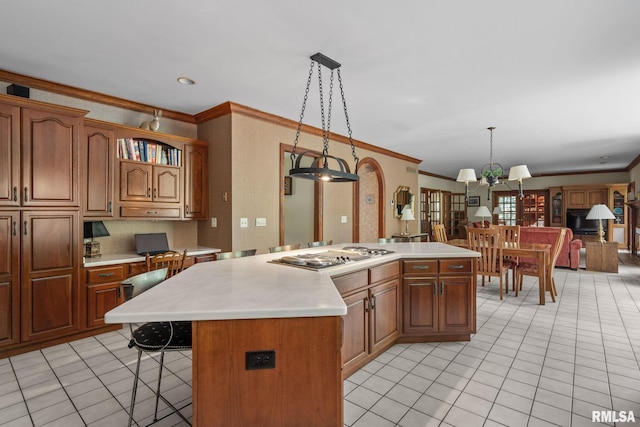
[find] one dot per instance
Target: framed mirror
(402, 197)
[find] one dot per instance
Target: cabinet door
(9, 155)
(50, 295)
(166, 184)
(384, 313)
(576, 198)
(356, 330)
(49, 158)
(456, 313)
(98, 154)
(196, 200)
(597, 197)
(135, 181)
(420, 305)
(101, 299)
(9, 278)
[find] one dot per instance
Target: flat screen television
(577, 221)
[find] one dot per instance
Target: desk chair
(511, 234)
(284, 248)
(488, 243)
(531, 268)
(320, 243)
(172, 261)
(154, 337)
(235, 254)
(439, 233)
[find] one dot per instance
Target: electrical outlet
(343, 219)
(244, 222)
(261, 222)
(265, 359)
(214, 222)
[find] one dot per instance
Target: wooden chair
(154, 337)
(235, 254)
(511, 234)
(531, 268)
(488, 243)
(172, 261)
(320, 243)
(439, 233)
(284, 248)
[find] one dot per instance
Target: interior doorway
(369, 202)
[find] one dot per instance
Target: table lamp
(407, 215)
(93, 229)
(600, 212)
(483, 212)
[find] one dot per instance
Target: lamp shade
(407, 213)
(520, 172)
(466, 175)
(497, 210)
(482, 212)
(600, 212)
(95, 229)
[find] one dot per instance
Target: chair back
(555, 250)
(172, 261)
(320, 243)
(235, 254)
(135, 285)
(488, 242)
(510, 233)
(439, 233)
(284, 248)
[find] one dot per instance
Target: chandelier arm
(304, 105)
(346, 116)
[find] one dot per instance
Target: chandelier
(324, 167)
(492, 172)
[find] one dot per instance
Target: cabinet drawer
(150, 212)
(420, 267)
(350, 282)
(383, 272)
(112, 273)
(456, 266)
(137, 268)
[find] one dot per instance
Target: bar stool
(320, 243)
(235, 254)
(284, 248)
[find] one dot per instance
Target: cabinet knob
(187, 208)
(149, 192)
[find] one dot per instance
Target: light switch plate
(214, 222)
(244, 222)
(343, 219)
(261, 222)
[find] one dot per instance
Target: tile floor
(528, 365)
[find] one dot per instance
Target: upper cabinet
(196, 200)
(585, 198)
(38, 154)
(97, 158)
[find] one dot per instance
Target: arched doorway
(368, 202)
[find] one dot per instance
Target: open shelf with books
(148, 151)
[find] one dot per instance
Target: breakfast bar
(292, 315)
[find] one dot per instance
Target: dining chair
(171, 260)
(488, 242)
(439, 233)
(510, 234)
(153, 337)
(320, 243)
(529, 268)
(235, 254)
(284, 248)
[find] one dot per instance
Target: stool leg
(135, 388)
(155, 414)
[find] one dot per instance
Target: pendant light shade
(324, 167)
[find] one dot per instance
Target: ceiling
(560, 80)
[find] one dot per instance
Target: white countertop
(128, 257)
(252, 288)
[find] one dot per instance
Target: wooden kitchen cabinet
(196, 178)
(103, 285)
(9, 278)
(97, 154)
(438, 299)
(9, 155)
(371, 324)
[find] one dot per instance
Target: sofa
(570, 251)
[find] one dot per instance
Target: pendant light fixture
(492, 172)
(323, 167)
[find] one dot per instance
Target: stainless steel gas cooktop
(320, 260)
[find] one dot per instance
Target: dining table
(539, 251)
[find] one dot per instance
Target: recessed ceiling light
(604, 157)
(186, 81)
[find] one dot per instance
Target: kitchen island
(291, 316)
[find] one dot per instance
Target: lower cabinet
(372, 322)
(438, 299)
(103, 284)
